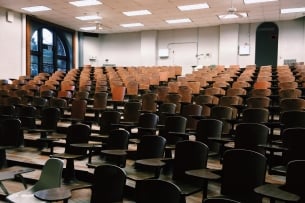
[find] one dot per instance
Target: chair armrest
(274, 191)
(273, 147)
(147, 129)
(183, 135)
(221, 140)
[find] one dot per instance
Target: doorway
(184, 54)
(266, 44)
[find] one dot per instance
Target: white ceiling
(64, 14)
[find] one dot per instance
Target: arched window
(48, 52)
(50, 48)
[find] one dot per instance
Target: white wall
(246, 36)
(120, 49)
(211, 45)
(149, 47)
(208, 40)
(228, 44)
(12, 51)
(291, 38)
(141, 48)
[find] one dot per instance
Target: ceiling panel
(64, 14)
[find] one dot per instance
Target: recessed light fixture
(257, 1)
(36, 8)
(88, 28)
(137, 13)
(183, 20)
(292, 10)
(132, 25)
(92, 17)
(85, 3)
(233, 16)
(193, 7)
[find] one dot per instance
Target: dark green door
(266, 44)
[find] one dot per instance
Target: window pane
(34, 42)
(34, 65)
(60, 48)
(47, 59)
(47, 37)
(61, 65)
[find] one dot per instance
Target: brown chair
(262, 85)
(11, 100)
(67, 95)
(173, 131)
(215, 91)
(209, 128)
(241, 84)
(59, 103)
(188, 111)
(189, 155)
(173, 86)
(232, 101)
(186, 94)
(164, 110)
(82, 95)
(118, 93)
(260, 93)
(154, 190)
(149, 102)
(108, 184)
(258, 102)
(289, 104)
(132, 89)
(76, 134)
(225, 114)
(176, 99)
(99, 104)
(236, 92)
(195, 86)
(206, 101)
(131, 112)
(255, 115)
(243, 170)
(78, 111)
(292, 149)
(162, 91)
(118, 139)
(47, 94)
(291, 190)
(67, 87)
(289, 93)
(23, 95)
(288, 85)
(107, 121)
(250, 136)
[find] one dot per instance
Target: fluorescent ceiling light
(183, 20)
(88, 28)
(137, 13)
(193, 7)
(132, 25)
(233, 16)
(36, 8)
(85, 3)
(93, 17)
(292, 10)
(257, 1)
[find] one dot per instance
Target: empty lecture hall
(152, 101)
